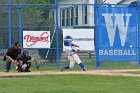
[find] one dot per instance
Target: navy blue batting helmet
(68, 40)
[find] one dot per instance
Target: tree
(50, 22)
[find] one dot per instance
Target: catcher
(23, 62)
(70, 50)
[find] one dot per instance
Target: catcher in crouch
(70, 50)
(23, 62)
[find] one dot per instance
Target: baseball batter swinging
(70, 50)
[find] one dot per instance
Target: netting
(45, 15)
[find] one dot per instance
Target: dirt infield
(88, 72)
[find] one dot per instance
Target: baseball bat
(86, 51)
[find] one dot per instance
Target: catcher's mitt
(37, 64)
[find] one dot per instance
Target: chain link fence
(17, 17)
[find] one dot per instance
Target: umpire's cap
(16, 43)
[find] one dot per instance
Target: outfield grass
(69, 84)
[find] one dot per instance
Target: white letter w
(111, 26)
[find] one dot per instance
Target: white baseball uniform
(72, 56)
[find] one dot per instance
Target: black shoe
(27, 71)
(6, 71)
(84, 69)
(62, 69)
(19, 70)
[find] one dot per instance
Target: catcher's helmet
(25, 52)
(68, 40)
(16, 44)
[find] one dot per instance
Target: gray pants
(8, 64)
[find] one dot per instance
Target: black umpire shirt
(13, 53)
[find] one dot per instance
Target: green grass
(133, 72)
(118, 65)
(89, 64)
(69, 84)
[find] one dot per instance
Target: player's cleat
(84, 69)
(27, 71)
(19, 70)
(6, 71)
(62, 69)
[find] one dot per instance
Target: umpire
(11, 55)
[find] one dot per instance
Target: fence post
(138, 3)
(9, 23)
(57, 35)
(20, 23)
(96, 35)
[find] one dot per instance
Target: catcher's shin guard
(28, 67)
(18, 67)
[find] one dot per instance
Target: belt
(71, 54)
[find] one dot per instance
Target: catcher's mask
(26, 52)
